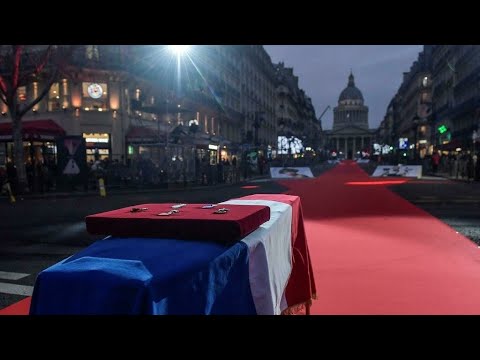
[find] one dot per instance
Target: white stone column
(354, 151)
(346, 147)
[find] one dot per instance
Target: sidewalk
(427, 175)
(453, 178)
(113, 191)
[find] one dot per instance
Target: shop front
(145, 142)
(213, 150)
(98, 146)
(39, 142)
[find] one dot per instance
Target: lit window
(54, 103)
(425, 81)
(65, 94)
(65, 86)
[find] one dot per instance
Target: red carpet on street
(20, 308)
(374, 253)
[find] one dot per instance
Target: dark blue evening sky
(323, 71)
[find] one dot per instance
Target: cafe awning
(138, 134)
(45, 129)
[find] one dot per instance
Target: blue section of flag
(148, 276)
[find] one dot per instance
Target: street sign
(72, 145)
(71, 162)
(403, 143)
(71, 168)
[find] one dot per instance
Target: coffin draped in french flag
(262, 269)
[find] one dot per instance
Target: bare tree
(20, 65)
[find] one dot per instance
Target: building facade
(296, 118)
(90, 101)
(133, 102)
(456, 95)
(437, 106)
(350, 135)
(415, 108)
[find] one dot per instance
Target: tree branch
(3, 98)
(38, 65)
(3, 55)
(17, 56)
(3, 86)
(46, 56)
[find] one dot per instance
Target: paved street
(455, 203)
(37, 233)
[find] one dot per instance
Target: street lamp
(416, 122)
(283, 145)
(179, 50)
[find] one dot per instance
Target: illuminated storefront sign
(96, 138)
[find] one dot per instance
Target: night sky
(323, 73)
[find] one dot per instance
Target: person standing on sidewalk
(3, 180)
(476, 166)
(236, 177)
(435, 161)
(5, 185)
(12, 176)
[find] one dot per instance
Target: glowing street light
(179, 49)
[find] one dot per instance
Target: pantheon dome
(351, 110)
(350, 135)
(351, 92)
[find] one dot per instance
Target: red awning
(34, 129)
(141, 134)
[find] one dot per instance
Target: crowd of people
(40, 176)
(459, 165)
(143, 171)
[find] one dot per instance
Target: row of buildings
(437, 106)
(210, 104)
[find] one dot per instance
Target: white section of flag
(270, 256)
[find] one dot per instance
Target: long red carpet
(20, 308)
(375, 253)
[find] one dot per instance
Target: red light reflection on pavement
(388, 182)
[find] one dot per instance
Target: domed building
(350, 134)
